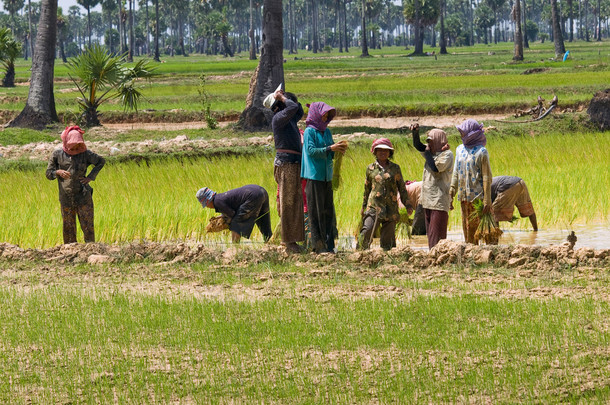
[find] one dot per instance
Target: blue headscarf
(204, 195)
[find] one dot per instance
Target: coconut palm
(100, 76)
(9, 51)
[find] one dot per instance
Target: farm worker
(317, 167)
(382, 186)
(243, 207)
(508, 192)
(471, 175)
(69, 166)
(419, 223)
(436, 181)
(287, 166)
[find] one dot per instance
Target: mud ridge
(402, 260)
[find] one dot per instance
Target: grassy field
(155, 200)
(288, 333)
(482, 78)
(310, 330)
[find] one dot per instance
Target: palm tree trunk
(557, 35)
(443, 39)
(365, 48)
(39, 110)
(270, 71)
(30, 27)
(516, 14)
(157, 56)
(251, 32)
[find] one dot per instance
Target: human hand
(487, 209)
(340, 146)
(85, 180)
(414, 128)
(64, 174)
(409, 211)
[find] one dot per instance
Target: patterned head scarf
(472, 133)
(204, 195)
(437, 139)
(316, 111)
(73, 142)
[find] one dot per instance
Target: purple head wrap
(316, 111)
(472, 133)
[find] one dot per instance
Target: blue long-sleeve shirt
(317, 160)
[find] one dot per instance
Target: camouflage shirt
(72, 193)
(381, 190)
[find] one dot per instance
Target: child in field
(382, 186)
(69, 166)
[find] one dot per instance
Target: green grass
(437, 341)
(153, 199)
(470, 79)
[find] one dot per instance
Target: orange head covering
(73, 141)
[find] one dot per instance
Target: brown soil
(165, 269)
(181, 143)
(401, 260)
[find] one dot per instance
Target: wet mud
(446, 253)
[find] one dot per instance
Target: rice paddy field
(238, 327)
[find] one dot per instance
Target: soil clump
(402, 260)
(599, 109)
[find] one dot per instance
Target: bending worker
(508, 192)
(243, 207)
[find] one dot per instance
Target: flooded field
(596, 236)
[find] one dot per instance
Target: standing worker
(242, 207)
(287, 166)
(508, 192)
(382, 186)
(69, 166)
(436, 181)
(317, 167)
(471, 175)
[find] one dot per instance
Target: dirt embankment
(108, 146)
(401, 260)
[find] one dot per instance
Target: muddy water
(596, 236)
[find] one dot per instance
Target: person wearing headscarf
(242, 208)
(69, 166)
(317, 167)
(472, 177)
(436, 181)
(287, 166)
(383, 186)
(508, 192)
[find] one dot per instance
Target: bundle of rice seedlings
(488, 230)
(337, 170)
(217, 224)
(404, 225)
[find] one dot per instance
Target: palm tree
(516, 16)
(9, 51)
(39, 110)
(557, 34)
(270, 70)
(88, 5)
(100, 76)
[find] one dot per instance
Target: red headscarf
(73, 141)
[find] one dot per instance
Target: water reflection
(596, 236)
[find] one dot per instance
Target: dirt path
(107, 145)
(442, 121)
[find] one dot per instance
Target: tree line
(181, 27)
